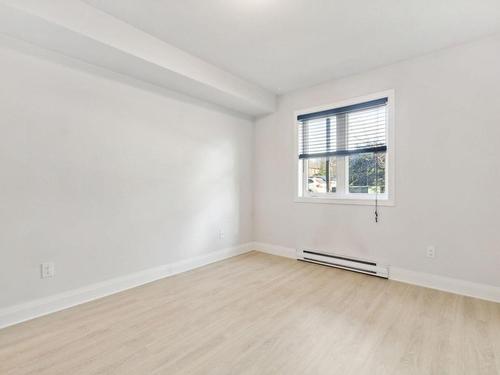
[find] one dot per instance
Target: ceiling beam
(78, 30)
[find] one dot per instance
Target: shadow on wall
(213, 213)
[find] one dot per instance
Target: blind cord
(376, 187)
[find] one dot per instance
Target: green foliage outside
(366, 172)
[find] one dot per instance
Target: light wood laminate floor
(261, 314)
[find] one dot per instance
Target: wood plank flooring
(261, 314)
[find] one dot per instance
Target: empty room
(249, 187)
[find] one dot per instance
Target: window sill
(353, 201)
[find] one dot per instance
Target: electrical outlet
(431, 252)
(47, 270)
(221, 234)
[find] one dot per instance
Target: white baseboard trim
(43, 306)
(281, 251)
(446, 284)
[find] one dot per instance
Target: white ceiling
(75, 29)
(283, 45)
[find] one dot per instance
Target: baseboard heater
(367, 267)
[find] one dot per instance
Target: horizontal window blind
(353, 129)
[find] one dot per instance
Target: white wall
(107, 176)
(447, 169)
(106, 179)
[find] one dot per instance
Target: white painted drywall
(290, 44)
(107, 178)
(79, 30)
(447, 169)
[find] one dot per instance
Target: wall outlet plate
(47, 270)
(431, 251)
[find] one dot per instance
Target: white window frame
(342, 196)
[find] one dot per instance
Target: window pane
(321, 175)
(367, 173)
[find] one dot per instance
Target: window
(345, 152)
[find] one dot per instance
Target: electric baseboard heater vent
(367, 267)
